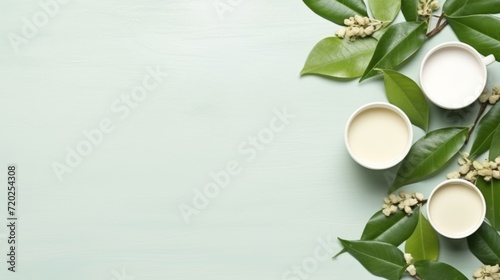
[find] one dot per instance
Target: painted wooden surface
(118, 114)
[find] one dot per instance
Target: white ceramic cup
(456, 208)
(378, 135)
(453, 75)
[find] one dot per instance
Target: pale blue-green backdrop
(118, 114)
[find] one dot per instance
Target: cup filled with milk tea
(456, 208)
(453, 75)
(378, 135)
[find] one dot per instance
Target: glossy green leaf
(423, 244)
(471, 7)
(491, 193)
(485, 131)
(385, 10)
(407, 95)
(429, 154)
(485, 244)
(340, 58)
(337, 10)
(495, 144)
(394, 229)
(479, 31)
(431, 270)
(409, 9)
(398, 43)
(379, 258)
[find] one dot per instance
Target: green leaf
(485, 244)
(491, 193)
(495, 144)
(385, 10)
(381, 259)
(471, 7)
(407, 95)
(337, 10)
(340, 58)
(394, 229)
(429, 154)
(485, 131)
(423, 244)
(398, 43)
(409, 9)
(431, 270)
(479, 31)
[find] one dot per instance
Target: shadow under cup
(453, 75)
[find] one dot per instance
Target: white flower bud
(471, 176)
(464, 169)
(340, 32)
(495, 268)
(419, 196)
(387, 212)
(461, 161)
(401, 205)
(408, 258)
(478, 273)
(487, 178)
(484, 97)
(413, 201)
(369, 30)
(493, 165)
(477, 165)
(493, 99)
(393, 209)
(412, 270)
(359, 19)
(434, 5)
(387, 200)
(408, 210)
(497, 160)
(348, 22)
(496, 174)
(453, 175)
(485, 172)
(367, 20)
(394, 198)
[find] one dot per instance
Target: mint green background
(118, 212)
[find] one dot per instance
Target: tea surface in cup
(378, 135)
(456, 209)
(453, 77)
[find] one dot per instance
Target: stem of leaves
(478, 117)
(439, 26)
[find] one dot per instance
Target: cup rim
(472, 229)
(379, 165)
(469, 49)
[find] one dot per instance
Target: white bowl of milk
(378, 135)
(456, 208)
(453, 75)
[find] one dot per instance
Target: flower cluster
(471, 169)
(426, 7)
(358, 27)
(487, 272)
(403, 201)
(410, 268)
(491, 97)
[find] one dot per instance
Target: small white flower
(412, 270)
(495, 268)
(478, 273)
(394, 198)
(453, 175)
(434, 5)
(408, 258)
(477, 165)
(461, 161)
(340, 32)
(496, 174)
(348, 22)
(497, 160)
(487, 178)
(408, 210)
(493, 99)
(485, 172)
(387, 200)
(418, 196)
(412, 201)
(464, 169)
(359, 19)
(483, 98)
(386, 212)
(393, 209)
(367, 20)
(493, 165)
